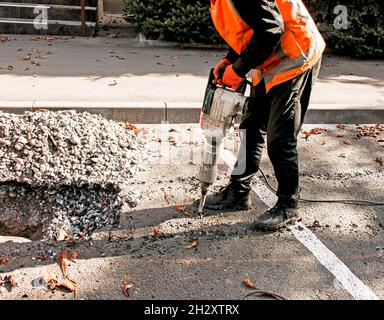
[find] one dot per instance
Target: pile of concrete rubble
(61, 172)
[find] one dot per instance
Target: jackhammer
(220, 108)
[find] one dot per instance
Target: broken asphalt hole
(56, 213)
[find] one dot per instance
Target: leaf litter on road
(8, 282)
(4, 38)
(341, 126)
(69, 284)
(249, 283)
(368, 131)
(131, 127)
(380, 161)
(62, 261)
(53, 281)
(193, 244)
(157, 232)
(4, 260)
(25, 58)
(314, 131)
(128, 284)
(42, 258)
(168, 197)
(183, 209)
(63, 258)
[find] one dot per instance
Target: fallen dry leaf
(347, 142)
(126, 288)
(36, 63)
(158, 233)
(25, 58)
(62, 261)
(316, 224)
(172, 141)
(46, 38)
(42, 110)
(4, 260)
(341, 126)
(368, 131)
(12, 281)
(128, 284)
(52, 284)
(51, 280)
(249, 283)
(193, 244)
(131, 127)
(307, 134)
(168, 197)
(380, 161)
(114, 35)
(181, 208)
(41, 258)
(8, 282)
(318, 130)
(69, 284)
(4, 38)
(73, 256)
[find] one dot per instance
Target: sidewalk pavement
(123, 80)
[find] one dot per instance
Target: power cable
(343, 201)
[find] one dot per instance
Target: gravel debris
(70, 166)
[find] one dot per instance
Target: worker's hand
(231, 78)
(219, 69)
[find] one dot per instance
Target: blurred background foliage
(188, 21)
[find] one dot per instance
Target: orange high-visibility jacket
(296, 48)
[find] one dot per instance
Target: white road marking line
(355, 287)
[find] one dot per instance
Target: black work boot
(236, 195)
(277, 217)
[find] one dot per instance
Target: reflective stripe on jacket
(298, 48)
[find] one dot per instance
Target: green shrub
(189, 21)
(364, 36)
(173, 20)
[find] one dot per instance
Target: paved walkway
(117, 74)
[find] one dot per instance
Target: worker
(281, 43)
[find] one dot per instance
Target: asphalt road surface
(336, 252)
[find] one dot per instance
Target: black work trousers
(279, 115)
